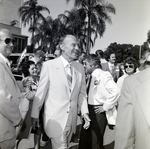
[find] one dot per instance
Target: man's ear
(61, 46)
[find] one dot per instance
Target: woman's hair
(131, 60)
(108, 54)
(25, 67)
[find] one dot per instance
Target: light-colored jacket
(9, 103)
(53, 89)
(133, 120)
(106, 92)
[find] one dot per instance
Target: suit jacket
(54, 90)
(133, 120)
(116, 73)
(105, 91)
(9, 103)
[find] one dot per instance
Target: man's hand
(87, 121)
(27, 82)
(20, 123)
(35, 123)
(98, 109)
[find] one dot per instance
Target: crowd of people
(54, 93)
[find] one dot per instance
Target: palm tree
(74, 22)
(30, 13)
(48, 33)
(97, 13)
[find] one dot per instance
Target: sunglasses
(9, 40)
(147, 62)
(129, 66)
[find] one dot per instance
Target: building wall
(9, 11)
(13, 29)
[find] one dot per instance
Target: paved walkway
(108, 140)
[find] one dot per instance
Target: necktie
(69, 75)
(88, 83)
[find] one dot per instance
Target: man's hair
(93, 60)
(108, 53)
(99, 53)
(40, 53)
(148, 34)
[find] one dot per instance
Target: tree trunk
(89, 29)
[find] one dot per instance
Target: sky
(129, 25)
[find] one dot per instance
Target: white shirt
(110, 66)
(64, 61)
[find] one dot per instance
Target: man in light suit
(133, 120)
(62, 101)
(111, 66)
(10, 115)
(146, 44)
(103, 95)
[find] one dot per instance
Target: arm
(82, 102)
(8, 108)
(41, 92)
(113, 91)
(124, 137)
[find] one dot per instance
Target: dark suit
(116, 73)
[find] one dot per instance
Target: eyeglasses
(129, 66)
(8, 41)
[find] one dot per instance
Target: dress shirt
(111, 66)
(148, 45)
(64, 61)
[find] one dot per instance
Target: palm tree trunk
(89, 29)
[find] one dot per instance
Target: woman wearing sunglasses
(130, 66)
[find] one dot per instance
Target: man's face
(88, 68)
(70, 47)
(112, 58)
(6, 43)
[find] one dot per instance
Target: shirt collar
(64, 61)
(96, 71)
(110, 64)
(4, 59)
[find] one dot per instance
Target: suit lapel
(62, 74)
(61, 71)
(96, 80)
